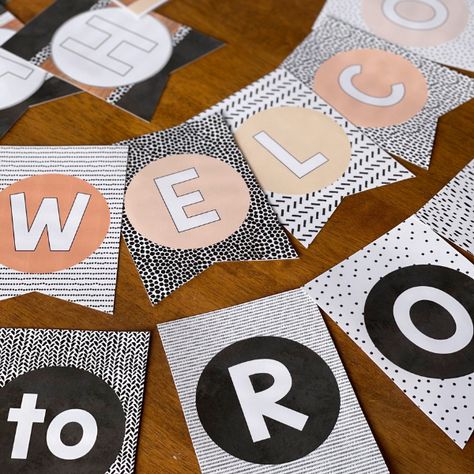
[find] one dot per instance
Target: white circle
(19, 79)
(464, 325)
(111, 48)
(87, 442)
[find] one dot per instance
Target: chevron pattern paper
(114, 361)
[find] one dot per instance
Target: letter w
(47, 218)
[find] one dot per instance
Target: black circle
(427, 316)
(314, 393)
(60, 389)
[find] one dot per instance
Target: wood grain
(259, 35)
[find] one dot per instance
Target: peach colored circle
(90, 235)
(380, 70)
(303, 133)
(415, 10)
(222, 188)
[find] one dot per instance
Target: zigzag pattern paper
(355, 163)
(112, 365)
(61, 214)
(399, 108)
(451, 212)
(407, 301)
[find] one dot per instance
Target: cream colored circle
(416, 11)
(303, 133)
(222, 188)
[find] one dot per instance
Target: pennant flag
(23, 85)
(451, 212)
(191, 200)
(407, 300)
(60, 214)
(91, 381)
(262, 389)
(305, 155)
(395, 96)
(105, 50)
(440, 30)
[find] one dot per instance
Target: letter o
(89, 434)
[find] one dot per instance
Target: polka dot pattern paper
(453, 48)
(402, 289)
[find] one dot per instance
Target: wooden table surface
(258, 35)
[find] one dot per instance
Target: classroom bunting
(306, 157)
(60, 215)
(395, 96)
(191, 200)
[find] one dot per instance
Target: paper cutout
(140, 7)
(262, 385)
(440, 30)
(285, 131)
(343, 64)
(22, 85)
(61, 220)
(102, 377)
(407, 301)
(126, 59)
(187, 206)
(451, 212)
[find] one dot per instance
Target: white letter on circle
(89, 434)
(464, 326)
(256, 405)
(345, 82)
(440, 15)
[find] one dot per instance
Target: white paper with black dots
(367, 166)
(86, 272)
(407, 301)
(118, 359)
(442, 33)
(237, 222)
(342, 63)
(288, 329)
(451, 212)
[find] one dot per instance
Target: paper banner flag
(451, 212)
(440, 30)
(407, 300)
(91, 381)
(23, 85)
(191, 200)
(393, 95)
(305, 156)
(263, 390)
(60, 215)
(126, 59)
